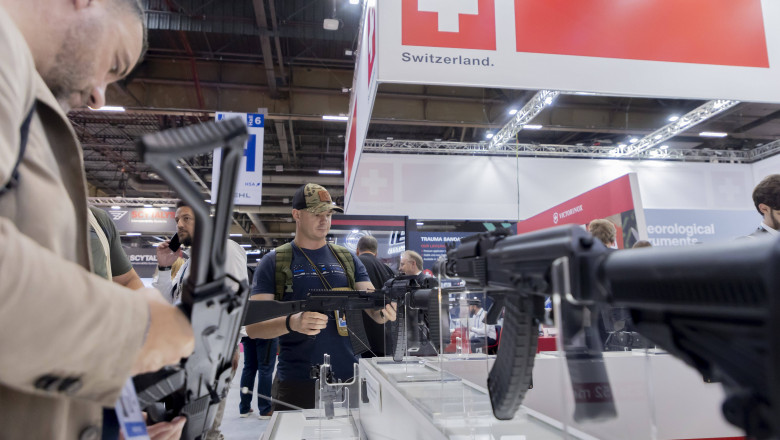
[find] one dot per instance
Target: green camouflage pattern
(318, 199)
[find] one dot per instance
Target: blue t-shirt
(298, 352)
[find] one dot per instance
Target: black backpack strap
(24, 131)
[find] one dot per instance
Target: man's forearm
(131, 280)
(268, 329)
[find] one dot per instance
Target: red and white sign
(364, 84)
(466, 24)
(617, 200)
(694, 49)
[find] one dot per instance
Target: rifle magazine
(510, 377)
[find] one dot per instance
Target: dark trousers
(259, 359)
(293, 392)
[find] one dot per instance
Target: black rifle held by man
(405, 291)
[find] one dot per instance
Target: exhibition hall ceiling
(247, 55)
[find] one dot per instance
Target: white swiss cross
(373, 182)
(449, 11)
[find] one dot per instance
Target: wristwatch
(163, 267)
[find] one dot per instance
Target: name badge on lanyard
(128, 412)
(341, 323)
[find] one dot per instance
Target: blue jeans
(259, 359)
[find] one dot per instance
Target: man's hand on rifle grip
(384, 315)
(308, 323)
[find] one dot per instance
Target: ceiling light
(330, 172)
(674, 118)
(334, 118)
(664, 147)
(109, 108)
(586, 93)
(355, 231)
(548, 100)
(354, 2)
(164, 208)
(148, 206)
(345, 90)
(116, 207)
(420, 223)
(633, 141)
(348, 52)
(658, 136)
(532, 127)
(246, 245)
(133, 234)
(489, 135)
(236, 235)
(621, 145)
(513, 111)
(330, 24)
(714, 134)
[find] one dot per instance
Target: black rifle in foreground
(216, 310)
(716, 307)
(405, 291)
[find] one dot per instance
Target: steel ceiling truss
(566, 151)
(690, 119)
(530, 110)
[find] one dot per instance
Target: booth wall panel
(504, 188)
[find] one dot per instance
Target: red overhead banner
(720, 32)
(617, 201)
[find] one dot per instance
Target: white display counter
(656, 397)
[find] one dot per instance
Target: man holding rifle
(288, 273)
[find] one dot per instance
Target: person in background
(378, 273)
(605, 231)
(114, 264)
(412, 264)
(259, 360)
(109, 259)
(478, 329)
(766, 198)
(172, 287)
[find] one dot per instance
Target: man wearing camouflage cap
(287, 274)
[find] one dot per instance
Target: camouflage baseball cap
(314, 198)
